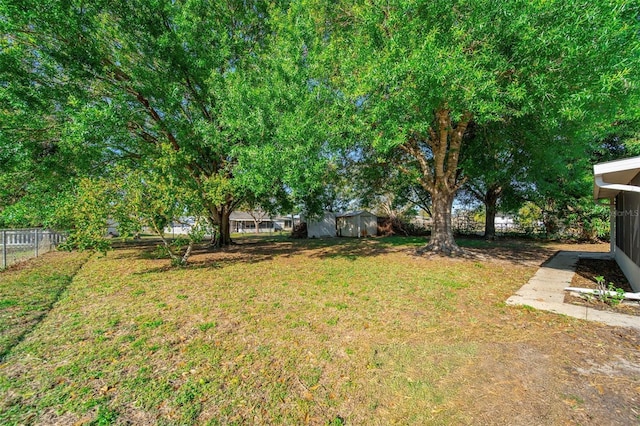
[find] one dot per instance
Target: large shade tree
(499, 162)
(509, 163)
(216, 83)
(35, 166)
(380, 184)
(420, 72)
(492, 162)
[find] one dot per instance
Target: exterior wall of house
(249, 226)
(372, 226)
(181, 227)
(630, 269)
(281, 224)
(627, 234)
(244, 222)
(112, 228)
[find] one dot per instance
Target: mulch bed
(586, 271)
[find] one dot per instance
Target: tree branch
(443, 121)
(455, 143)
(411, 147)
(196, 96)
(121, 76)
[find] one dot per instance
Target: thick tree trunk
(220, 217)
(490, 202)
(436, 156)
(225, 228)
(442, 240)
(490, 223)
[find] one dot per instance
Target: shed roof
(610, 175)
(355, 213)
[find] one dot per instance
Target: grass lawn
(322, 332)
(28, 292)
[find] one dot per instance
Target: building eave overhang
(613, 177)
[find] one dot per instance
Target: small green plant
(332, 321)
(337, 421)
(601, 285)
(605, 292)
(7, 303)
(153, 323)
(106, 416)
(619, 296)
(207, 326)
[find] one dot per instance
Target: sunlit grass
(28, 292)
(268, 332)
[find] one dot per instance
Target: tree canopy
(424, 71)
(215, 85)
(247, 101)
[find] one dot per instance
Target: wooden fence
(23, 244)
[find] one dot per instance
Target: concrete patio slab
(545, 291)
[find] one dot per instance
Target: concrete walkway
(545, 291)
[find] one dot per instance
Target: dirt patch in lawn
(585, 277)
(592, 374)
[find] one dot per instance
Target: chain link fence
(22, 244)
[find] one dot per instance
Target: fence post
(35, 242)
(4, 249)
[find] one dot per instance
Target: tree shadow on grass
(205, 256)
(511, 250)
(34, 311)
(520, 254)
(251, 250)
(354, 248)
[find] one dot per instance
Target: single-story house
(619, 182)
(286, 223)
(242, 222)
(360, 223)
(322, 226)
(180, 226)
(255, 222)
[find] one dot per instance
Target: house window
(628, 225)
(620, 222)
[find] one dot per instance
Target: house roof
(245, 216)
(235, 215)
(614, 176)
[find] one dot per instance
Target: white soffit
(614, 173)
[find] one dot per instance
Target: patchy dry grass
(275, 331)
(29, 290)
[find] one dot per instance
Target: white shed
(357, 224)
(324, 226)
